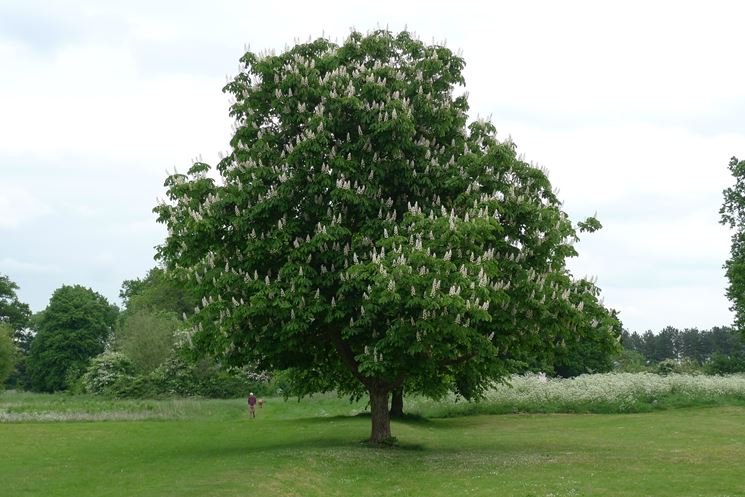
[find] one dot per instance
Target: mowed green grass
(313, 448)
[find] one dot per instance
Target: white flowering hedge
(612, 392)
(106, 370)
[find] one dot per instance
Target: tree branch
(347, 356)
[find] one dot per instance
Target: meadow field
(601, 435)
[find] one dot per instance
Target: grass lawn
(313, 448)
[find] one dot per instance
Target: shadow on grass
(397, 446)
(409, 420)
(406, 419)
(247, 446)
(329, 433)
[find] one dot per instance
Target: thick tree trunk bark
(381, 420)
(397, 403)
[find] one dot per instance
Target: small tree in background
(69, 332)
(16, 316)
(13, 312)
(733, 215)
(364, 236)
(147, 326)
(106, 371)
(147, 337)
(8, 353)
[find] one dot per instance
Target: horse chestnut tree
(362, 234)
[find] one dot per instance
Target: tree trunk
(397, 403)
(381, 420)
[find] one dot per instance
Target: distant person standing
(252, 405)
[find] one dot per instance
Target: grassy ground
(209, 448)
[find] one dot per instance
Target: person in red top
(252, 405)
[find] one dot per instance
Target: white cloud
(681, 306)
(9, 265)
(603, 165)
(18, 206)
(98, 106)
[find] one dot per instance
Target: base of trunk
(379, 416)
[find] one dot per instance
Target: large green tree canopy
(361, 232)
(73, 328)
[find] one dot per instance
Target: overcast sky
(634, 108)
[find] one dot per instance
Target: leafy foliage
(72, 329)
(629, 361)
(147, 327)
(147, 337)
(14, 313)
(721, 364)
(107, 370)
(176, 377)
(594, 354)
(589, 225)
(364, 235)
(148, 332)
(733, 215)
(205, 379)
(157, 291)
(7, 352)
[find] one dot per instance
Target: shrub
(174, 377)
(601, 393)
(671, 366)
(666, 366)
(629, 361)
(112, 374)
(107, 372)
(721, 364)
(689, 366)
(206, 379)
(137, 387)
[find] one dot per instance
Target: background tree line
(720, 349)
(137, 350)
(82, 342)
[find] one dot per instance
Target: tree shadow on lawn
(290, 436)
(247, 446)
(286, 440)
(409, 420)
(406, 419)
(350, 450)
